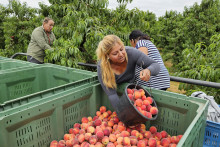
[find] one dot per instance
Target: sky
(158, 7)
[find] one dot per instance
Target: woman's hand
(145, 75)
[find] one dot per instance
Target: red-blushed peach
(148, 115)
(109, 112)
(77, 125)
(102, 109)
(109, 128)
(147, 134)
(98, 113)
(121, 128)
(91, 145)
(174, 139)
(98, 128)
(85, 144)
(138, 102)
(99, 134)
(141, 136)
(69, 143)
(146, 141)
(84, 120)
(97, 122)
(126, 141)
(105, 140)
(119, 145)
(76, 145)
(112, 138)
(116, 120)
(143, 97)
(142, 92)
(128, 129)
(71, 131)
(81, 138)
(133, 140)
(158, 136)
(141, 143)
(165, 142)
(125, 134)
(111, 123)
(139, 108)
(99, 144)
(87, 136)
(150, 99)
(180, 136)
(131, 97)
(95, 117)
(129, 91)
(110, 144)
(148, 107)
(153, 129)
(105, 114)
(89, 118)
(153, 110)
(93, 139)
(137, 95)
(68, 137)
(143, 107)
(172, 145)
(146, 103)
(90, 129)
(120, 123)
(135, 133)
(75, 141)
(84, 126)
(106, 132)
(164, 134)
(61, 143)
(120, 140)
(53, 143)
(152, 142)
(82, 131)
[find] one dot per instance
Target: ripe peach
(87, 136)
(85, 144)
(129, 91)
(112, 138)
(158, 136)
(106, 132)
(95, 117)
(109, 112)
(77, 125)
(116, 120)
(53, 143)
(97, 122)
(164, 134)
(174, 139)
(138, 102)
(172, 145)
(102, 109)
(142, 92)
(111, 123)
(148, 115)
(126, 141)
(84, 120)
(143, 107)
(143, 97)
(150, 99)
(98, 113)
(153, 129)
(81, 138)
(148, 107)
(61, 143)
(137, 94)
(146, 103)
(68, 137)
(109, 128)
(141, 136)
(120, 140)
(180, 136)
(69, 143)
(76, 145)
(99, 134)
(133, 140)
(105, 140)
(135, 133)
(131, 97)
(141, 143)
(165, 142)
(93, 139)
(105, 114)
(82, 131)
(110, 144)
(98, 144)
(147, 134)
(121, 128)
(90, 118)
(90, 129)
(125, 134)
(84, 126)
(153, 110)
(152, 142)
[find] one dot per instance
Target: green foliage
(202, 63)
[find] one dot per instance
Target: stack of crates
(41, 103)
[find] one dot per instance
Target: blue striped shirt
(160, 81)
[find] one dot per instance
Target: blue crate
(212, 134)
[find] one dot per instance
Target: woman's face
(48, 26)
(117, 54)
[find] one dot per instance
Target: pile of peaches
(106, 130)
(143, 103)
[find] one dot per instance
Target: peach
(153, 110)
(125, 134)
(147, 134)
(141, 143)
(143, 107)
(97, 122)
(165, 142)
(81, 138)
(84, 120)
(137, 94)
(84, 126)
(82, 131)
(126, 141)
(131, 97)
(90, 129)
(77, 125)
(164, 134)
(85, 144)
(53, 143)
(149, 99)
(152, 142)
(99, 134)
(129, 91)
(121, 128)
(143, 97)
(89, 118)
(110, 144)
(133, 140)
(148, 115)
(112, 138)
(119, 145)
(75, 141)
(138, 103)
(71, 131)
(105, 114)
(106, 132)
(87, 136)
(146, 102)
(116, 120)
(142, 92)
(93, 139)
(111, 123)
(95, 117)
(120, 140)
(69, 143)
(68, 137)
(172, 145)
(174, 139)
(153, 129)
(61, 143)
(140, 137)
(180, 136)
(109, 128)
(135, 133)
(98, 113)
(98, 144)
(102, 109)
(76, 145)
(109, 112)
(158, 136)
(105, 140)
(148, 107)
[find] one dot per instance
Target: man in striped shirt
(142, 42)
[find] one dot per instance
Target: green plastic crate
(14, 65)
(38, 125)
(3, 58)
(18, 83)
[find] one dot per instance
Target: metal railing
(172, 78)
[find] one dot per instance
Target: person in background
(42, 38)
(142, 42)
(116, 65)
